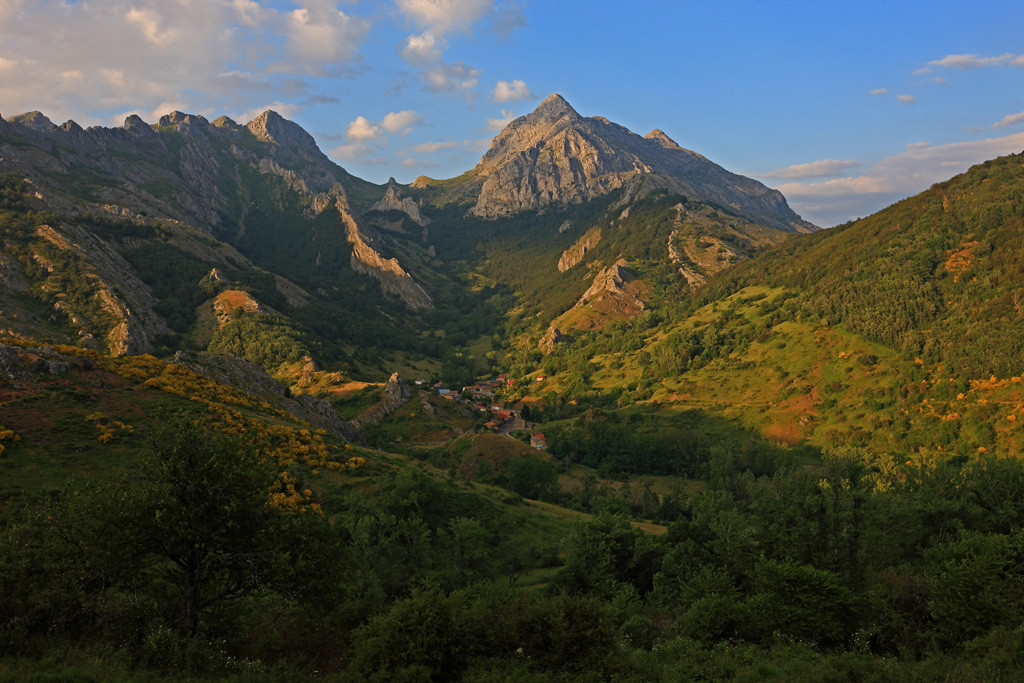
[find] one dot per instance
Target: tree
(200, 518)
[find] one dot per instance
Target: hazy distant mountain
(555, 156)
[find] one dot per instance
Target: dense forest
(201, 562)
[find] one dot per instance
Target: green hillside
(897, 334)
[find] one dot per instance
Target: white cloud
(9, 9)
(481, 145)
(916, 168)
(508, 19)
(438, 18)
(446, 15)
(976, 61)
(148, 22)
(361, 128)
(401, 121)
(92, 60)
(433, 147)
(360, 152)
(417, 163)
(506, 118)
(1009, 120)
(907, 99)
(515, 91)
(421, 49)
(324, 35)
(878, 91)
(452, 77)
(815, 169)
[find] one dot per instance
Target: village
(481, 398)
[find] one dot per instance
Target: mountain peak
(555, 106)
(658, 135)
(35, 120)
(554, 155)
(273, 128)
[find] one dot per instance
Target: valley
(595, 409)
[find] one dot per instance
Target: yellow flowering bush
(109, 429)
(7, 435)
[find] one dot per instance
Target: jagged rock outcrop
(226, 303)
(394, 201)
(396, 394)
(35, 120)
(215, 277)
(185, 171)
(615, 294)
(609, 281)
(551, 337)
(252, 379)
(555, 156)
(367, 260)
(574, 254)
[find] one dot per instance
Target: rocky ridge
(394, 201)
(574, 254)
(614, 294)
(556, 156)
(395, 395)
(182, 173)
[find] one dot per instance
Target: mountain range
(575, 246)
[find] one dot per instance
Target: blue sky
(845, 107)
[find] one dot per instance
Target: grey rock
(555, 156)
(395, 395)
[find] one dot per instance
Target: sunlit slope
(898, 334)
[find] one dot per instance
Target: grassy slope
(900, 333)
(57, 422)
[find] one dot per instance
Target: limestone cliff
(367, 260)
(191, 175)
(113, 284)
(555, 156)
(394, 201)
(705, 241)
(615, 294)
(574, 254)
(395, 395)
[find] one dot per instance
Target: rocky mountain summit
(556, 156)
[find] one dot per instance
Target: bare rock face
(230, 300)
(367, 260)
(609, 281)
(551, 337)
(272, 128)
(574, 254)
(396, 394)
(393, 201)
(555, 156)
(705, 241)
(615, 294)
